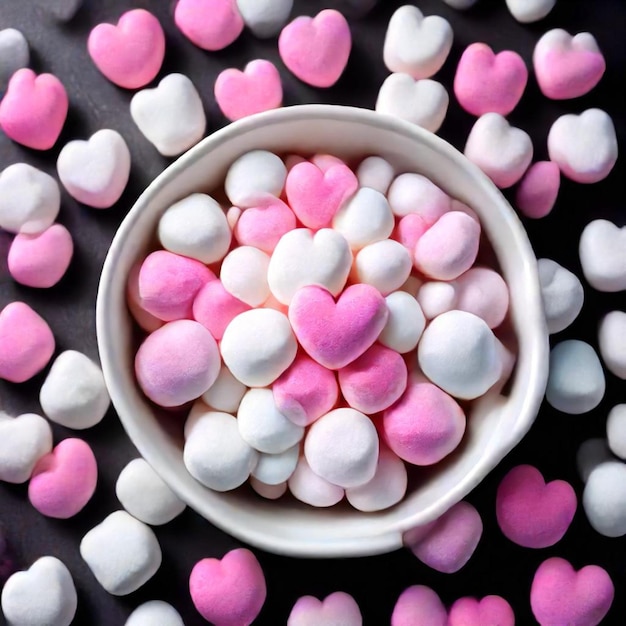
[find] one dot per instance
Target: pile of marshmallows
(327, 326)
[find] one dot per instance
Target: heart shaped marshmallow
(210, 24)
(265, 18)
(337, 608)
(602, 252)
(527, 11)
(419, 605)
(488, 610)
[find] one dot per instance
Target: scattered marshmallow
(144, 494)
(42, 595)
(337, 608)
(155, 612)
(122, 553)
(602, 252)
(214, 31)
(592, 453)
(265, 18)
(74, 393)
(419, 605)
(405, 323)
(538, 189)
(275, 469)
(29, 199)
(488, 610)
(526, 11)
(576, 381)
(244, 275)
(584, 146)
(384, 264)
(305, 485)
(612, 342)
(616, 430)
(562, 294)
(252, 175)
(604, 498)
(14, 54)
(225, 393)
(376, 173)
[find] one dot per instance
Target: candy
(252, 176)
(532, 513)
(342, 447)
(265, 18)
(419, 605)
(144, 494)
(450, 542)
(215, 308)
(34, 108)
(336, 608)
(154, 612)
(41, 260)
(23, 441)
(405, 322)
(526, 11)
(225, 393)
(131, 53)
(488, 610)
(576, 381)
(263, 226)
(502, 151)
(258, 346)
(122, 553)
(384, 264)
(415, 194)
(263, 426)
(566, 66)
(538, 189)
(336, 333)
(590, 454)
(483, 292)
(562, 294)
(275, 469)
(604, 498)
(215, 453)
(14, 54)
(315, 196)
(26, 342)
(415, 44)
(269, 492)
(244, 275)
(561, 595)
(230, 591)
(29, 199)
(425, 425)
(43, 594)
(64, 480)
(316, 49)
(423, 102)
(486, 82)
(584, 146)
(171, 115)
(602, 252)
(258, 88)
(616, 430)
(302, 258)
(437, 297)
(189, 369)
(195, 227)
(612, 342)
(376, 173)
(209, 24)
(306, 486)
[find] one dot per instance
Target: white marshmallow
(562, 293)
(74, 393)
(604, 498)
(576, 381)
(342, 447)
(258, 346)
(414, 193)
(502, 151)
(225, 393)
(384, 264)
(23, 441)
(153, 613)
(616, 430)
(244, 275)
(436, 297)
(275, 469)
(590, 454)
(215, 454)
(196, 227)
(29, 199)
(253, 175)
(170, 116)
(43, 595)
(459, 353)
(386, 488)
(302, 258)
(122, 553)
(584, 146)
(269, 492)
(405, 323)
(526, 11)
(423, 102)
(263, 426)
(612, 342)
(14, 54)
(144, 494)
(305, 485)
(364, 219)
(376, 173)
(95, 172)
(602, 251)
(415, 44)
(265, 18)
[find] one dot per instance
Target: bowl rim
(539, 348)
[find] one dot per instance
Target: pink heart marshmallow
(209, 24)
(538, 190)
(419, 605)
(488, 611)
(337, 608)
(262, 226)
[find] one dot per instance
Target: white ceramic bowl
(497, 423)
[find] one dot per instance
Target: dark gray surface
(498, 566)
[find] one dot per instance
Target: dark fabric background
(498, 566)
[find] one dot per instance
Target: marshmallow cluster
(323, 327)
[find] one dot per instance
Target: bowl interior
(496, 423)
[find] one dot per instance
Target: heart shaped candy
(538, 190)
(210, 24)
(527, 11)
(263, 226)
(602, 252)
(612, 344)
(337, 608)
(131, 53)
(487, 611)
(419, 605)
(14, 54)
(265, 18)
